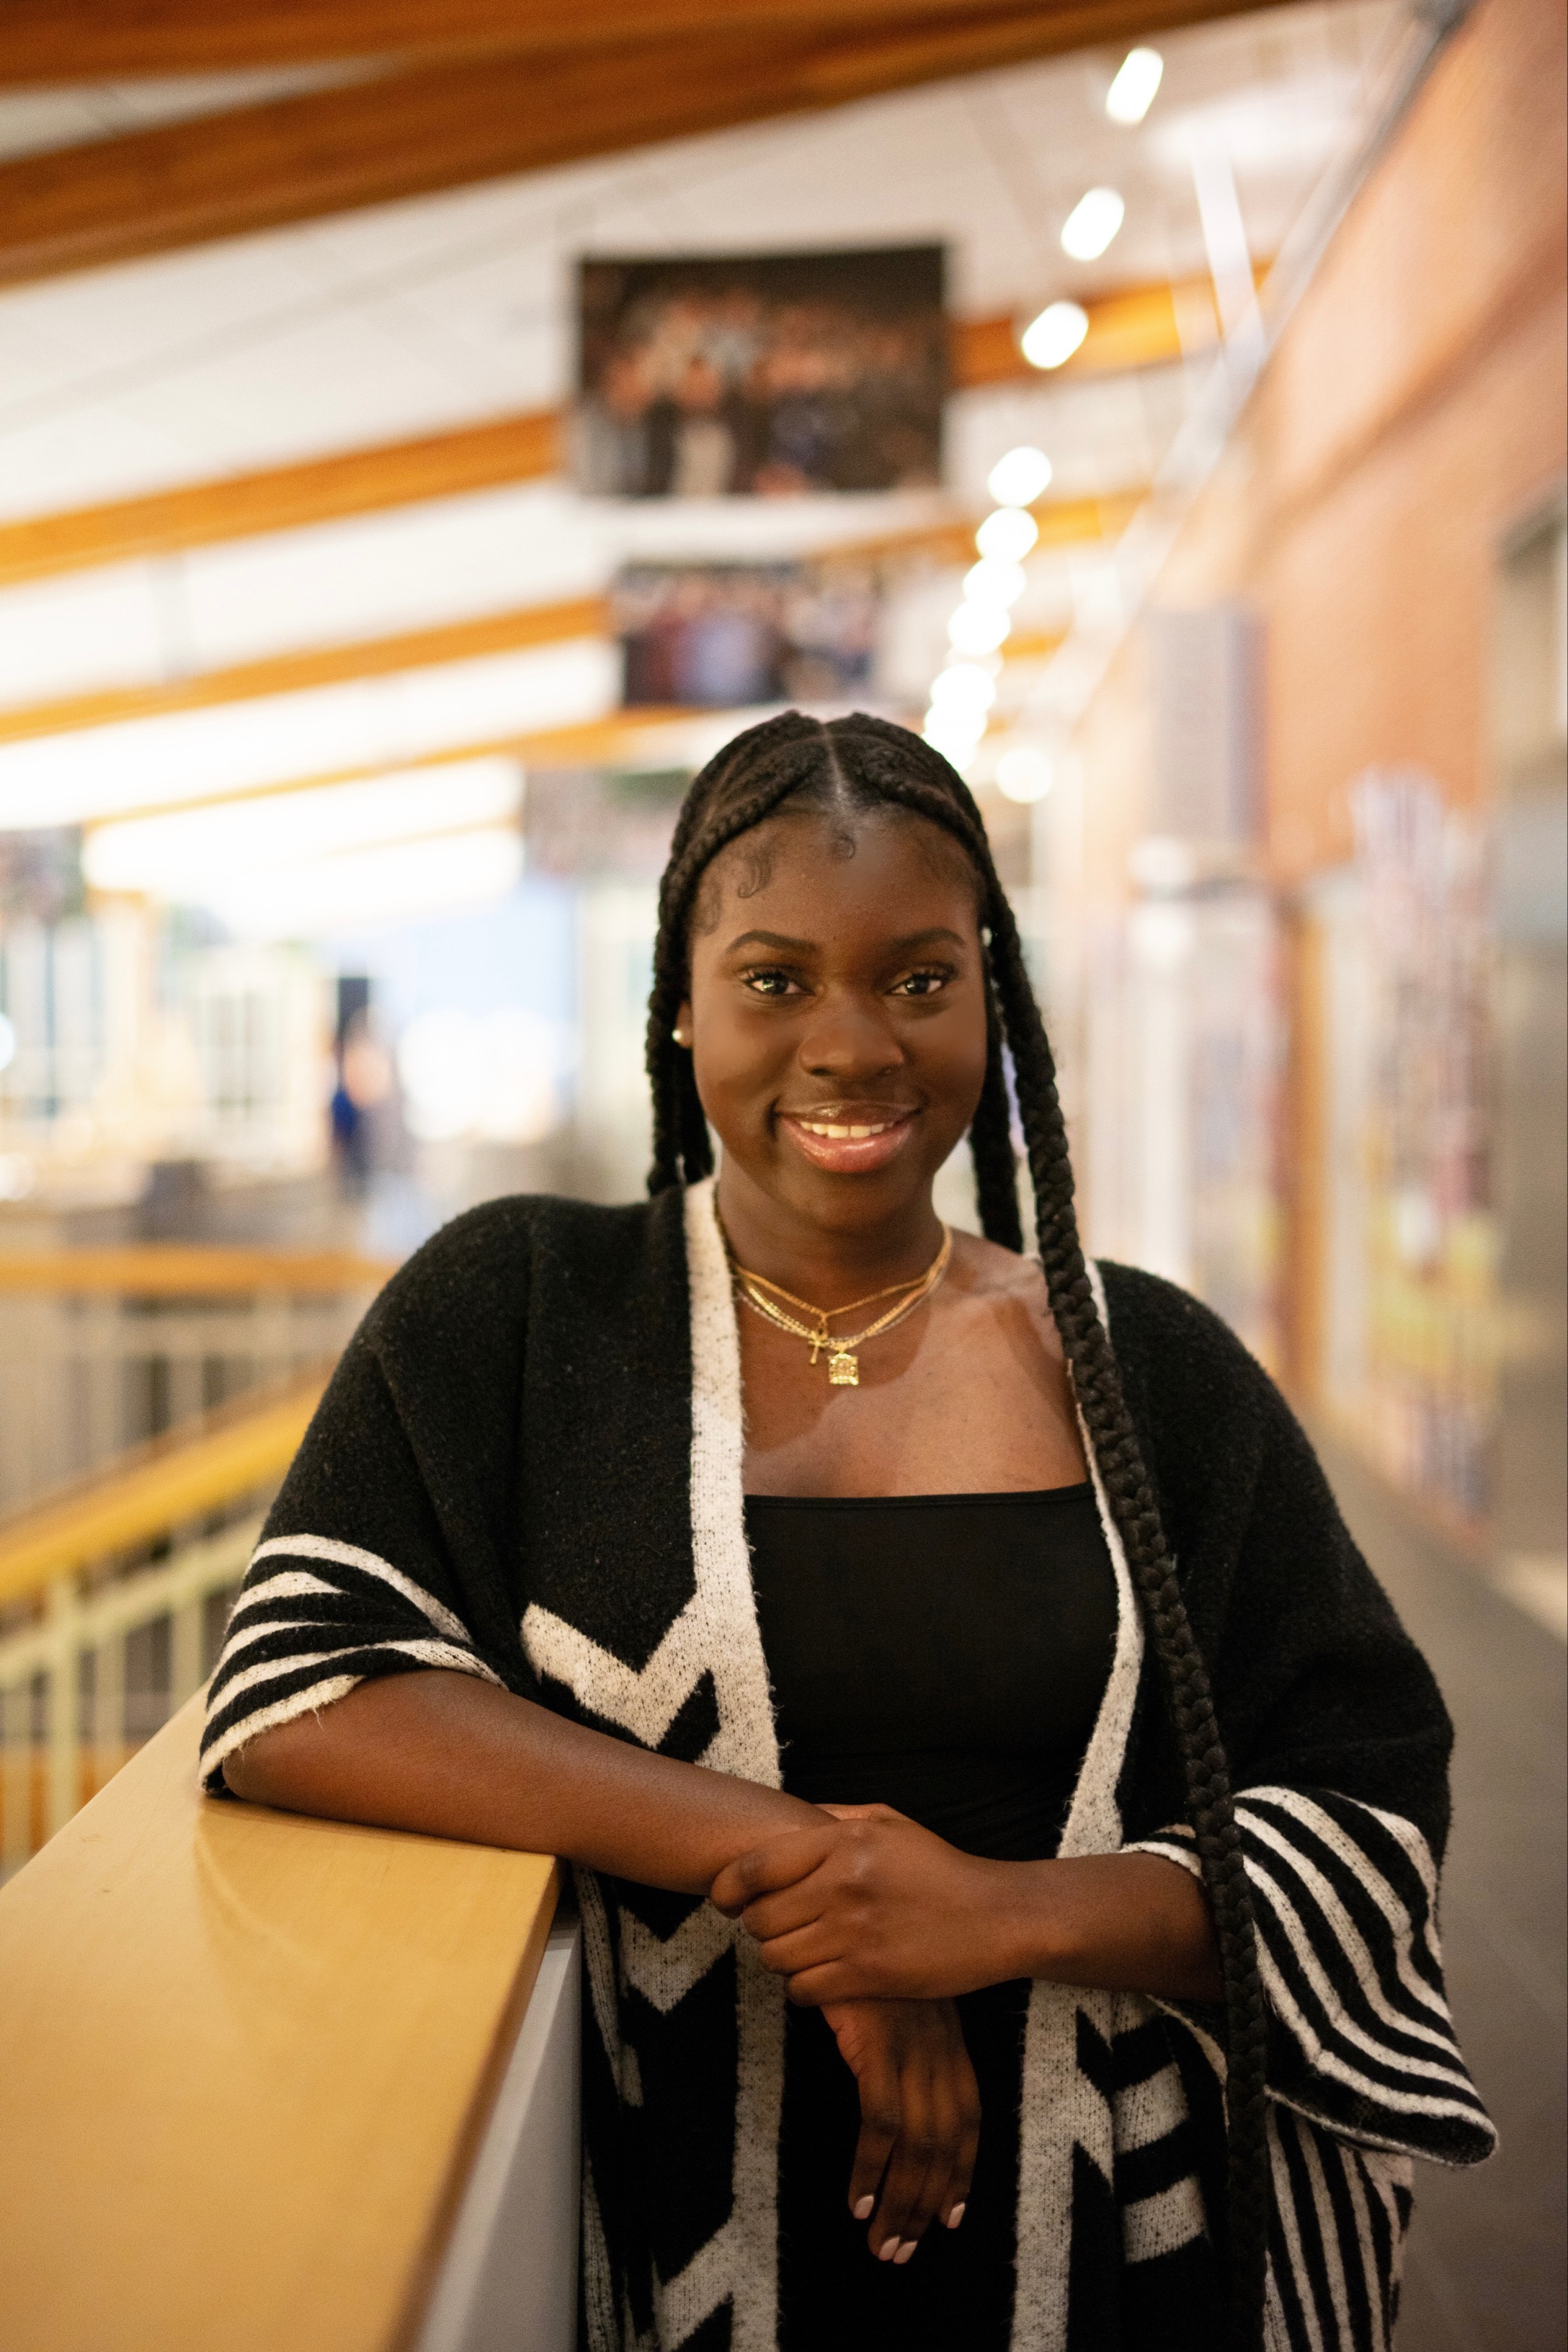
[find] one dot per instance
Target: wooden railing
(100, 1349)
(265, 2083)
(272, 2084)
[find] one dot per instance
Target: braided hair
(846, 767)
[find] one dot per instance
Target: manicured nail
(956, 2216)
(866, 2208)
(888, 2251)
(906, 2250)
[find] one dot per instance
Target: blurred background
(428, 433)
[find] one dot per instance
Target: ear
(681, 1032)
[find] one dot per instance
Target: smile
(848, 1147)
(844, 1134)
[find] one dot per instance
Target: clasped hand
(868, 1906)
(878, 1923)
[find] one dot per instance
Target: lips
(852, 1139)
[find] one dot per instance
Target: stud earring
(681, 1036)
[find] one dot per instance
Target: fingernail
(866, 2208)
(906, 2250)
(889, 2249)
(956, 2216)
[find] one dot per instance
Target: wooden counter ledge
(245, 2060)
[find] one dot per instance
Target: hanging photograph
(768, 374)
(725, 636)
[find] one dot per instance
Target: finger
(814, 1988)
(809, 1947)
(879, 2118)
(893, 2226)
(799, 1906)
(778, 1864)
(935, 2193)
(962, 2176)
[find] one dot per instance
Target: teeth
(843, 1134)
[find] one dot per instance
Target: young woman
(1005, 1809)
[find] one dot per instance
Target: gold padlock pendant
(844, 1370)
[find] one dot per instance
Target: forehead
(869, 861)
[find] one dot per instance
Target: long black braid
(848, 765)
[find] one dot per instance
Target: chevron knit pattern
(556, 1516)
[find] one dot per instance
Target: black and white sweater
(528, 1466)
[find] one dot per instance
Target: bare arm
(457, 1757)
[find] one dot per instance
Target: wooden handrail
(190, 1270)
(245, 2059)
(225, 1457)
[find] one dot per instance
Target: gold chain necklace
(843, 1363)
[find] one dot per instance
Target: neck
(825, 1264)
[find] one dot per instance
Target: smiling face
(837, 1013)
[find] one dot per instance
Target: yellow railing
(112, 1602)
(245, 2061)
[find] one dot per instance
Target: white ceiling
(415, 317)
(410, 317)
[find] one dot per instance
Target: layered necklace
(769, 1300)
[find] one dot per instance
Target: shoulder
(481, 1272)
(1198, 1394)
(1151, 1318)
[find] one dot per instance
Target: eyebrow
(782, 944)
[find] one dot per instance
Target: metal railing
(113, 1597)
(151, 1398)
(101, 1348)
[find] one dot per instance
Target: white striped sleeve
(1362, 2040)
(314, 1617)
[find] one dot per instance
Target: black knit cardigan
(528, 1467)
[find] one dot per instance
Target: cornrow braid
(849, 765)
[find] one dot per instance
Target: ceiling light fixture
(990, 582)
(963, 688)
(1018, 479)
(1023, 774)
(1008, 534)
(1131, 94)
(978, 629)
(1051, 339)
(1092, 222)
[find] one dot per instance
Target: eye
(767, 980)
(926, 983)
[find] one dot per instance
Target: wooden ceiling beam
(486, 457)
(408, 133)
(1142, 326)
(96, 40)
(1063, 522)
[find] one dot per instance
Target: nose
(851, 1038)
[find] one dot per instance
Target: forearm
(1126, 1922)
(453, 1756)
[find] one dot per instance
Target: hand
(919, 2118)
(867, 1904)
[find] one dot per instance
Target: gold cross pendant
(844, 1370)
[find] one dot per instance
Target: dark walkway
(1489, 2262)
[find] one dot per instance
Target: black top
(941, 1654)
(945, 1654)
